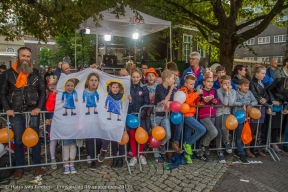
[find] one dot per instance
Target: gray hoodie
(244, 99)
(227, 100)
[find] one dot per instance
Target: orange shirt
(192, 98)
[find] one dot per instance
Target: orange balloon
(141, 135)
(158, 133)
(255, 113)
(30, 138)
(185, 108)
(125, 138)
(4, 135)
(231, 122)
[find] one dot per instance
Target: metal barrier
(265, 146)
(43, 126)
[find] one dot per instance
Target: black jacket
(12, 97)
(259, 92)
(276, 90)
(140, 97)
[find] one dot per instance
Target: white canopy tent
(125, 26)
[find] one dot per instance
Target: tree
(66, 45)
(44, 18)
(45, 57)
(225, 19)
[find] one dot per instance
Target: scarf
(21, 80)
(116, 97)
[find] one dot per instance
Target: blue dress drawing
(90, 98)
(69, 99)
(114, 104)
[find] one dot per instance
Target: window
(250, 41)
(279, 38)
(279, 58)
(264, 40)
(202, 51)
(248, 58)
(187, 47)
(263, 59)
(281, 19)
(10, 49)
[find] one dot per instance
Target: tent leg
(96, 58)
(75, 56)
(170, 43)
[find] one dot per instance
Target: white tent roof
(126, 25)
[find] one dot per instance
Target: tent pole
(75, 56)
(96, 59)
(170, 43)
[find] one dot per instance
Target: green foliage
(45, 57)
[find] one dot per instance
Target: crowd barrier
(266, 146)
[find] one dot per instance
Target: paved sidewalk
(199, 176)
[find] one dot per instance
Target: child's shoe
(221, 158)
(72, 169)
(93, 165)
(53, 165)
(133, 161)
(114, 163)
(120, 162)
(66, 170)
(243, 159)
(162, 149)
(187, 149)
(188, 159)
(228, 147)
(101, 156)
(142, 160)
(175, 146)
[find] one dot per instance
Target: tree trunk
(227, 54)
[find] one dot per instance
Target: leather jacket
(12, 97)
(277, 91)
(259, 92)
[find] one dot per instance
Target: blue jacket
(270, 72)
(198, 81)
(267, 80)
(140, 97)
(57, 72)
(217, 85)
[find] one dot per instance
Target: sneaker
(101, 156)
(221, 158)
(243, 159)
(187, 149)
(133, 161)
(162, 149)
(228, 148)
(88, 157)
(204, 158)
(66, 170)
(159, 160)
(93, 165)
(142, 160)
(72, 169)
(130, 154)
(236, 155)
(188, 159)
(175, 147)
(276, 148)
(54, 165)
(205, 149)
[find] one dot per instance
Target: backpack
(6, 173)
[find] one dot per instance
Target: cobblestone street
(199, 176)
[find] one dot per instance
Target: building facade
(270, 44)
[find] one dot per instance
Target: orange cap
(151, 70)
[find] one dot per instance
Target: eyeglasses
(192, 59)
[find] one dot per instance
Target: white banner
(81, 112)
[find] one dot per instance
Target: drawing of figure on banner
(90, 95)
(114, 99)
(69, 96)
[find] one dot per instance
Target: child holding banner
(139, 96)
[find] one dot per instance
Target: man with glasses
(194, 69)
(23, 91)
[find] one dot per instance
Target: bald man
(123, 72)
(272, 69)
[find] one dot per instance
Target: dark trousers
(18, 124)
(90, 147)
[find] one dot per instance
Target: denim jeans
(190, 124)
(164, 122)
(286, 132)
(178, 131)
(239, 143)
(18, 124)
